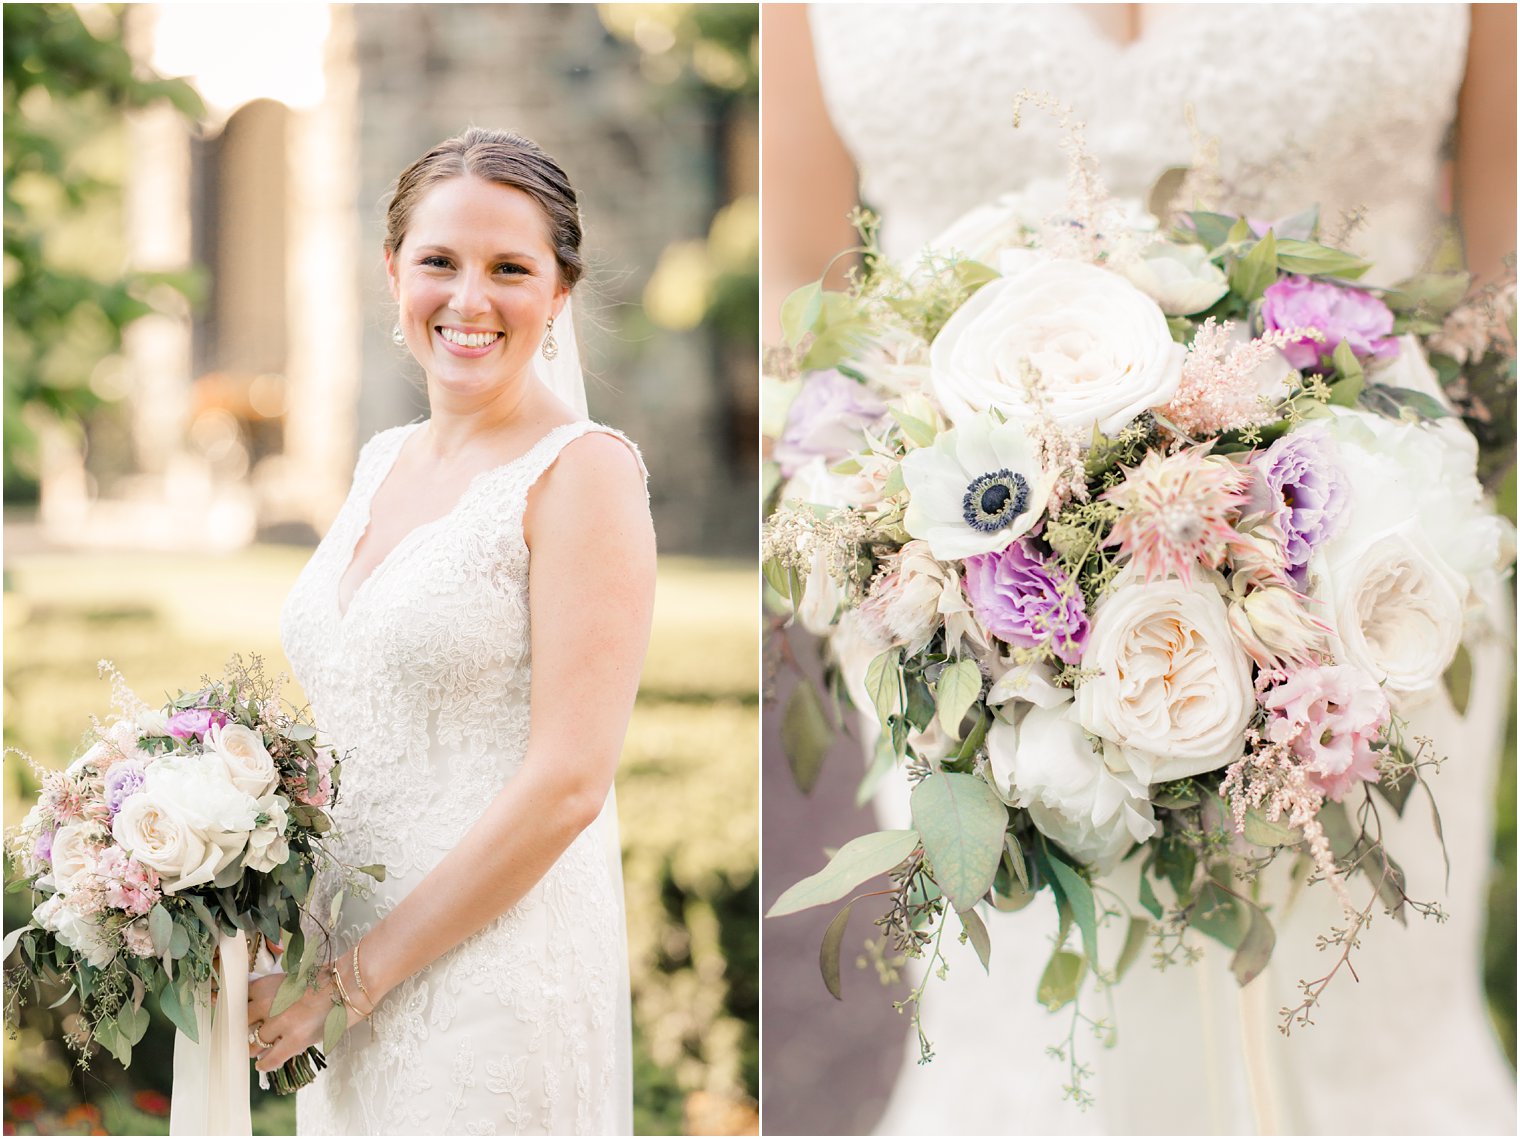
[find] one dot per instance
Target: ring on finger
(256, 1040)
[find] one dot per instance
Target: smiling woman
(441, 633)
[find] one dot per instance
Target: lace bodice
(1340, 105)
(424, 682)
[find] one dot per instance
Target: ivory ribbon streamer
(210, 1094)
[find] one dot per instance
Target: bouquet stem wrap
(210, 1094)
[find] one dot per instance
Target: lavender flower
(1027, 601)
(195, 722)
(1308, 492)
(43, 851)
(828, 418)
(1350, 315)
(124, 779)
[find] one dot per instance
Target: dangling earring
(549, 348)
(397, 335)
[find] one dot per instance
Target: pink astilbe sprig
(1219, 390)
(1092, 219)
(1060, 449)
(1177, 511)
(1270, 779)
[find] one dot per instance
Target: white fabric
(1346, 106)
(210, 1093)
(562, 375)
(426, 678)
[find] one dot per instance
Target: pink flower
(1341, 314)
(299, 784)
(1177, 512)
(129, 885)
(195, 722)
(1329, 717)
(138, 940)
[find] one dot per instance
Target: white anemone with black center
(976, 489)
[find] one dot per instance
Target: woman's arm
(591, 594)
(1485, 160)
(808, 177)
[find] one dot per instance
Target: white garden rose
(153, 723)
(1101, 347)
(1179, 278)
(81, 933)
(1045, 762)
(188, 822)
(267, 847)
(72, 855)
(1173, 690)
(1397, 611)
(249, 764)
(1009, 221)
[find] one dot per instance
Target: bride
(1346, 106)
(470, 632)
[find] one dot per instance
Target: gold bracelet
(342, 993)
(359, 977)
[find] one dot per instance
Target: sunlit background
(197, 341)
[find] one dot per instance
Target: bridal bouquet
(1129, 538)
(177, 830)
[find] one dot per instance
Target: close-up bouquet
(1132, 533)
(172, 857)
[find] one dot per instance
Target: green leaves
(961, 822)
(1062, 979)
(334, 1027)
(857, 860)
(805, 734)
(1073, 892)
(959, 686)
(1263, 832)
(976, 933)
(921, 433)
(160, 928)
(799, 311)
(828, 952)
(884, 684)
(1311, 259)
(1256, 270)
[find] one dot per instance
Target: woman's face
(477, 282)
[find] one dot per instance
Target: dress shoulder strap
(544, 453)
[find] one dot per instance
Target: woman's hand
(294, 1030)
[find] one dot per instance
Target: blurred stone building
(249, 410)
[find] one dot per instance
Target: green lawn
(687, 797)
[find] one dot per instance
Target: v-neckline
(406, 539)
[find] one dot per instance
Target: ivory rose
(73, 856)
(248, 762)
(1173, 689)
(1101, 346)
(188, 822)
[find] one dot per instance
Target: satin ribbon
(210, 1093)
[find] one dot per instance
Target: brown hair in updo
(508, 160)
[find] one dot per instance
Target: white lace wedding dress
(424, 680)
(1346, 106)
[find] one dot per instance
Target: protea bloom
(1177, 512)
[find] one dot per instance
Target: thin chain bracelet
(359, 977)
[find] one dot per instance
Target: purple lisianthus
(123, 779)
(195, 722)
(828, 418)
(43, 850)
(1308, 494)
(1358, 318)
(1025, 600)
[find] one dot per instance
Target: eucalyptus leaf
(884, 684)
(1134, 942)
(976, 735)
(859, 859)
(779, 579)
(1314, 260)
(915, 429)
(828, 952)
(133, 1022)
(229, 875)
(1220, 915)
(799, 312)
(894, 484)
(160, 928)
(288, 993)
(1263, 832)
(180, 1013)
(1434, 293)
(1255, 947)
(11, 938)
(334, 1027)
(1422, 405)
(1239, 231)
(976, 933)
(959, 686)
(1350, 370)
(1148, 897)
(179, 942)
(1062, 979)
(1213, 229)
(920, 711)
(1079, 896)
(805, 735)
(1016, 859)
(375, 871)
(72, 990)
(972, 275)
(962, 823)
(298, 732)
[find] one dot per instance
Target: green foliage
(66, 91)
(961, 822)
(868, 856)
